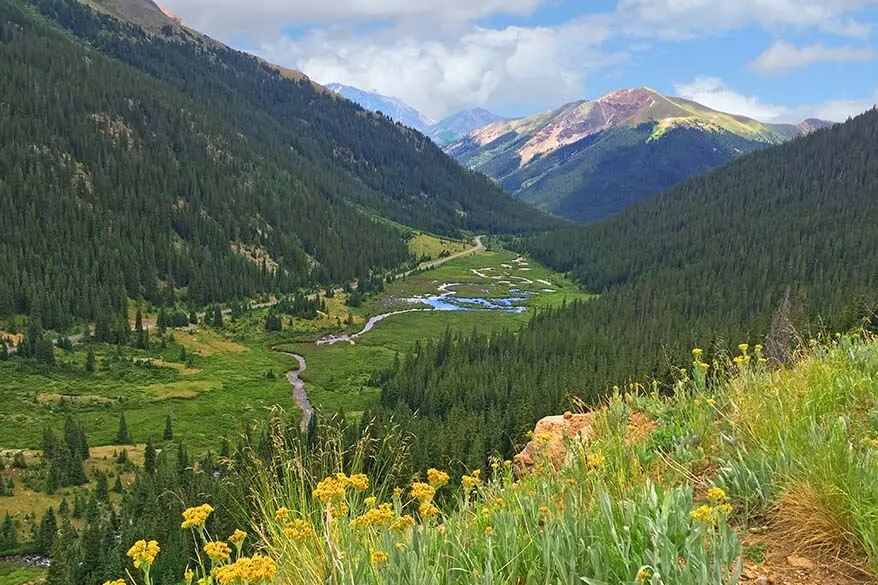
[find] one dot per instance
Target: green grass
(11, 574)
(224, 383)
(206, 400)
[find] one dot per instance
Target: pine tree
(117, 485)
(169, 430)
(102, 490)
(149, 458)
(122, 437)
(8, 534)
(46, 534)
(90, 360)
(140, 340)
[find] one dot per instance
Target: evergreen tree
(122, 437)
(46, 534)
(102, 490)
(117, 485)
(90, 360)
(149, 458)
(168, 434)
(140, 339)
(8, 534)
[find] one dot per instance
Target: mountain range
(589, 159)
(445, 131)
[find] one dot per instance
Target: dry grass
(185, 390)
(812, 523)
(207, 342)
(52, 398)
(180, 368)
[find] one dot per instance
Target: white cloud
(714, 93)
(439, 55)
(783, 56)
(674, 19)
(225, 18)
(482, 66)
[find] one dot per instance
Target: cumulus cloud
(714, 93)
(441, 55)
(226, 18)
(783, 56)
(482, 66)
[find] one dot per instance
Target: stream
(299, 395)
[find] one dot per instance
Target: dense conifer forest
(777, 246)
(133, 166)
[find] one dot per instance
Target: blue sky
(775, 60)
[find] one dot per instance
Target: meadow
(211, 382)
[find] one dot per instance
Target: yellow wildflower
(400, 546)
(743, 347)
(298, 529)
(144, 553)
(758, 348)
(246, 569)
(498, 502)
(331, 488)
(116, 582)
(423, 491)
(428, 510)
(397, 492)
(697, 352)
(370, 501)
(402, 523)
(379, 559)
(262, 568)
(544, 510)
(476, 473)
(643, 574)
(489, 531)
(595, 460)
(218, 551)
(188, 576)
(237, 537)
(726, 509)
(375, 517)
(281, 514)
(342, 479)
(359, 482)
(571, 481)
(437, 478)
(469, 482)
(197, 516)
(543, 437)
(703, 514)
(716, 495)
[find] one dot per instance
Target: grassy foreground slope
(742, 469)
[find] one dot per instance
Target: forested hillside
(133, 166)
(786, 238)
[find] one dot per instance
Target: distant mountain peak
(394, 108)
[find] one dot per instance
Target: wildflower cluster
(379, 559)
(423, 491)
(299, 529)
(437, 478)
(374, 517)
(196, 517)
(143, 553)
(470, 481)
(708, 514)
(255, 569)
(217, 551)
(595, 461)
